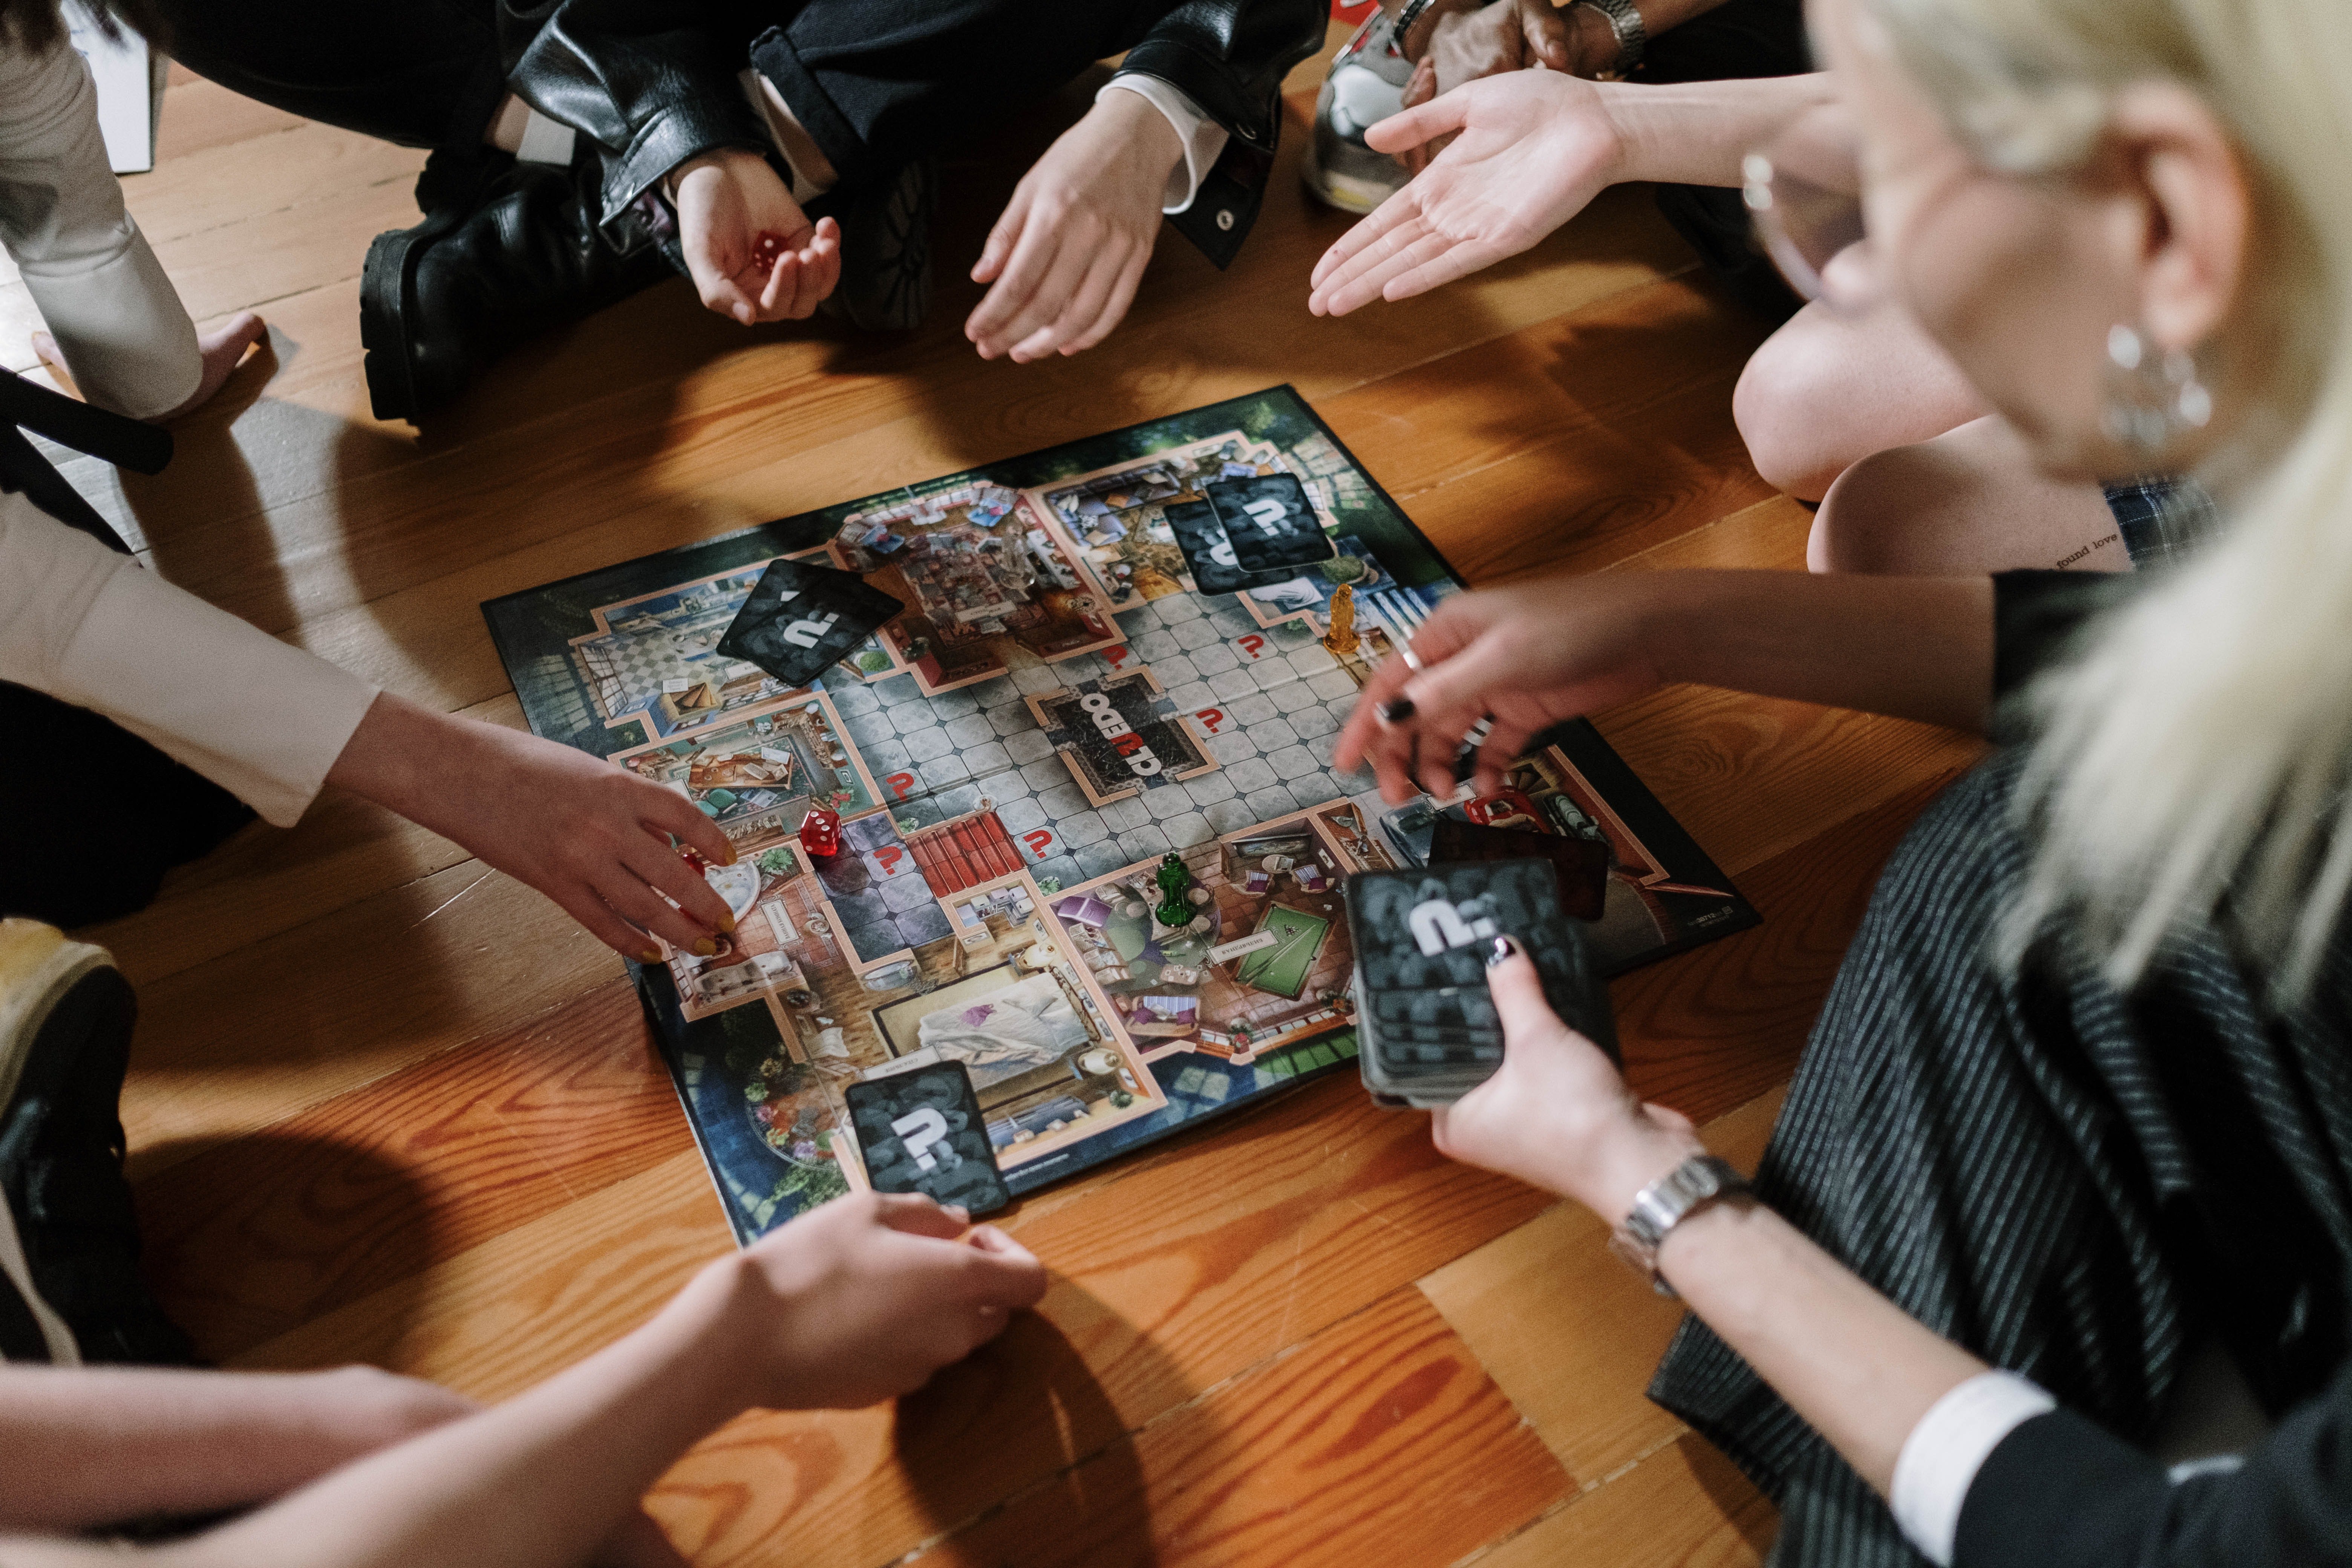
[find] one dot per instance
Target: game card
(803, 619)
(921, 1131)
(1582, 864)
(1209, 554)
(1270, 523)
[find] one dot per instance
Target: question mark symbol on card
(918, 1130)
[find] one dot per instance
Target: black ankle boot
(506, 250)
(70, 1238)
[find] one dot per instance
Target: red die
(821, 832)
(768, 247)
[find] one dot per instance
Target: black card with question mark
(921, 1130)
(803, 619)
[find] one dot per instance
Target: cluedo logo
(1139, 758)
(1437, 925)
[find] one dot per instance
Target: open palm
(1530, 148)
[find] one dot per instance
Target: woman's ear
(2174, 156)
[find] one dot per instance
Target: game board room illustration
(1028, 775)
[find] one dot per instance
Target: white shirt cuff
(1941, 1456)
(1204, 138)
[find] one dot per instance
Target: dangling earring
(2152, 399)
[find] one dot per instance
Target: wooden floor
(388, 1105)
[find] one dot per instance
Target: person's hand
(222, 350)
(1506, 35)
(1526, 656)
(724, 201)
(589, 833)
(1530, 149)
(1556, 1113)
(1065, 257)
(864, 1299)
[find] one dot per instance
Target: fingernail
(727, 925)
(962, 1215)
(1396, 711)
(650, 955)
(1504, 949)
(705, 948)
(731, 856)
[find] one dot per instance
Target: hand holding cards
(1427, 1030)
(803, 619)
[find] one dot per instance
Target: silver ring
(1410, 662)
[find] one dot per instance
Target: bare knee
(1786, 406)
(1879, 512)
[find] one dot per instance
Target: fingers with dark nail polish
(1396, 711)
(1501, 951)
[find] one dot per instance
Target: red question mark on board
(901, 784)
(1252, 644)
(1212, 717)
(1039, 840)
(889, 856)
(1117, 656)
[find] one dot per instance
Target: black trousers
(90, 816)
(875, 82)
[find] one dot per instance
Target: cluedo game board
(1087, 883)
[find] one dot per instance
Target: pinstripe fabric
(2072, 1182)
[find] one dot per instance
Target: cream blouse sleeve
(259, 717)
(116, 317)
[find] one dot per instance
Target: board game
(1086, 889)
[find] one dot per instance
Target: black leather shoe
(68, 1239)
(507, 251)
(885, 249)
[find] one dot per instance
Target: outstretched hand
(1530, 149)
(1526, 658)
(1064, 260)
(726, 202)
(589, 835)
(868, 1297)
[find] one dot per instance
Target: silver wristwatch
(1666, 1203)
(1625, 22)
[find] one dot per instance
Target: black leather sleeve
(1229, 57)
(652, 81)
(2061, 1491)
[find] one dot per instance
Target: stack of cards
(1250, 534)
(803, 619)
(1427, 1030)
(920, 1131)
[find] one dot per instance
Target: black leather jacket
(654, 82)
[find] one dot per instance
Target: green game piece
(1175, 879)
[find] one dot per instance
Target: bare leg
(1826, 391)
(1967, 502)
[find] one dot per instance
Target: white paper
(130, 80)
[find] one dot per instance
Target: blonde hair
(2197, 747)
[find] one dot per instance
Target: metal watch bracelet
(1698, 1183)
(1624, 21)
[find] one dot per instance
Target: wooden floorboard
(389, 1105)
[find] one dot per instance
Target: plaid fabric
(2076, 1183)
(2161, 520)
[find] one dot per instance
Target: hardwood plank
(249, 1238)
(1715, 1027)
(1380, 1440)
(1570, 1333)
(1685, 1505)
